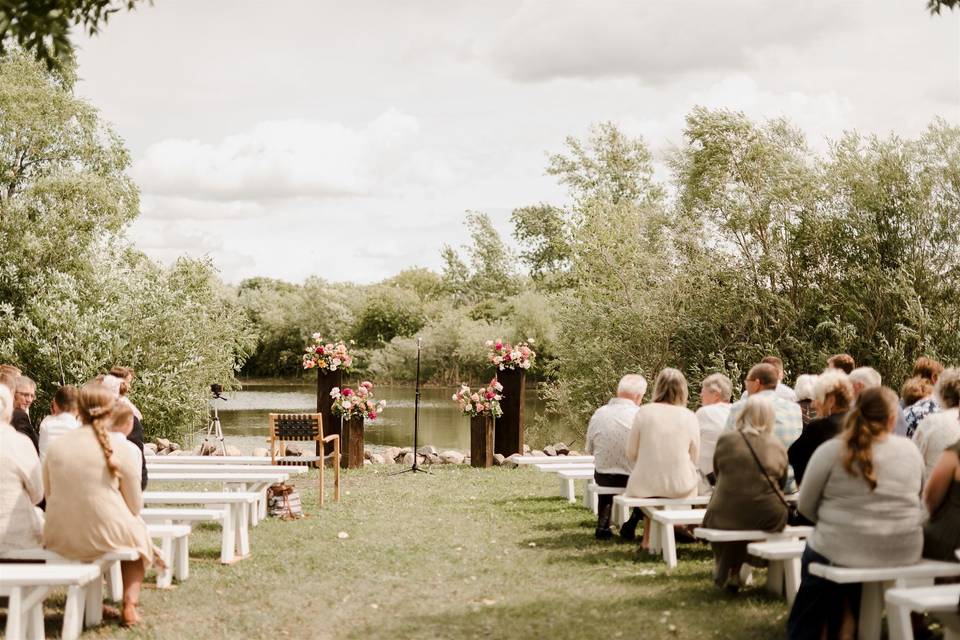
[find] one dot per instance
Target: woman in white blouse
(664, 445)
(21, 484)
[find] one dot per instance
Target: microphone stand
(416, 422)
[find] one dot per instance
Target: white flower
(454, 397)
(346, 404)
(337, 361)
(316, 336)
(530, 340)
(335, 392)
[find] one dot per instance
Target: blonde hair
(834, 382)
(718, 383)
(670, 387)
(121, 414)
(869, 420)
(96, 403)
(757, 413)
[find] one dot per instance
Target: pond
(245, 414)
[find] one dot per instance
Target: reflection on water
(441, 424)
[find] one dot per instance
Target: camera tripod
(214, 429)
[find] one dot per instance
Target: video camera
(217, 389)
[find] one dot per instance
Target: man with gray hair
(715, 392)
(866, 378)
(607, 436)
(24, 395)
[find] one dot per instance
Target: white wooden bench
(258, 481)
(27, 585)
(623, 504)
(160, 515)
(876, 580)
(557, 468)
(775, 576)
(662, 535)
(941, 599)
(526, 460)
(261, 460)
(592, 492)
(567, 479)
(786, 554)
(109, 565)
(235, 541)
(176, 551)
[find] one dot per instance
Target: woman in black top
(832, 397)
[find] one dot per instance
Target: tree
(490, 274)
(44, 27)
(68, 276)
(936, 6)
(545, 232)
(387, 313)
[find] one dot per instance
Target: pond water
(245, 414)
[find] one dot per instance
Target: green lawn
(461, 553)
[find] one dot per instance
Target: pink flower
(348, 392)
(372, 415)
(319, 350)
(506, 357)
(490, 395)
(498, 346)
(366, 384)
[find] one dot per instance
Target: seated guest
(867, 378)
(121, 424)
(664, 445)
(926, 369)
(761, 381)
(918, 402)
(862, 492)
(751, 467)
(126, 374)
(941, 535)
(21, 484)
(841, 361)
(62, 418)
(804, 390)
(781, 389)
(116, 385)
(93, 496)
(607, 442)
(24, 395)
(940, 430)
(715, 392)
(833, 396)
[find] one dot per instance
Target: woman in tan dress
(664, 445)
(93, 496)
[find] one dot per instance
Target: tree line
(755, 244)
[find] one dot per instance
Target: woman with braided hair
(862, 492)
(93, 496)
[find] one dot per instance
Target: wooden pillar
(326, 381)
(351, 443)
(481, 441)
(508, 438)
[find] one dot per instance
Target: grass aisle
(462, 553)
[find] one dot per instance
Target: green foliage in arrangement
(43, 28)
(68, 274)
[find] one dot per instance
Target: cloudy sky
(347, 139)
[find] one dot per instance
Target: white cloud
(652, 41)
(292, 158)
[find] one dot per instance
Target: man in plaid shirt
(762, 383)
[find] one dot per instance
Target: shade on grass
(461, 553)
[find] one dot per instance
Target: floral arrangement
(483, 401)
(326, 356)
(356, 404)
(504, 356)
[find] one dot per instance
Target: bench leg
(791, 573)
(181, 563)
(93, 603)
(775, 577)
(586, 496)
(243, 530)
(73, 613)
(35, 630)
(871, 611)
(898, 622)
(165, 575)
(115, 581)
(15, 623)
(228, 535)
(669, 544)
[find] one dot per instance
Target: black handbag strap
(763, 471)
